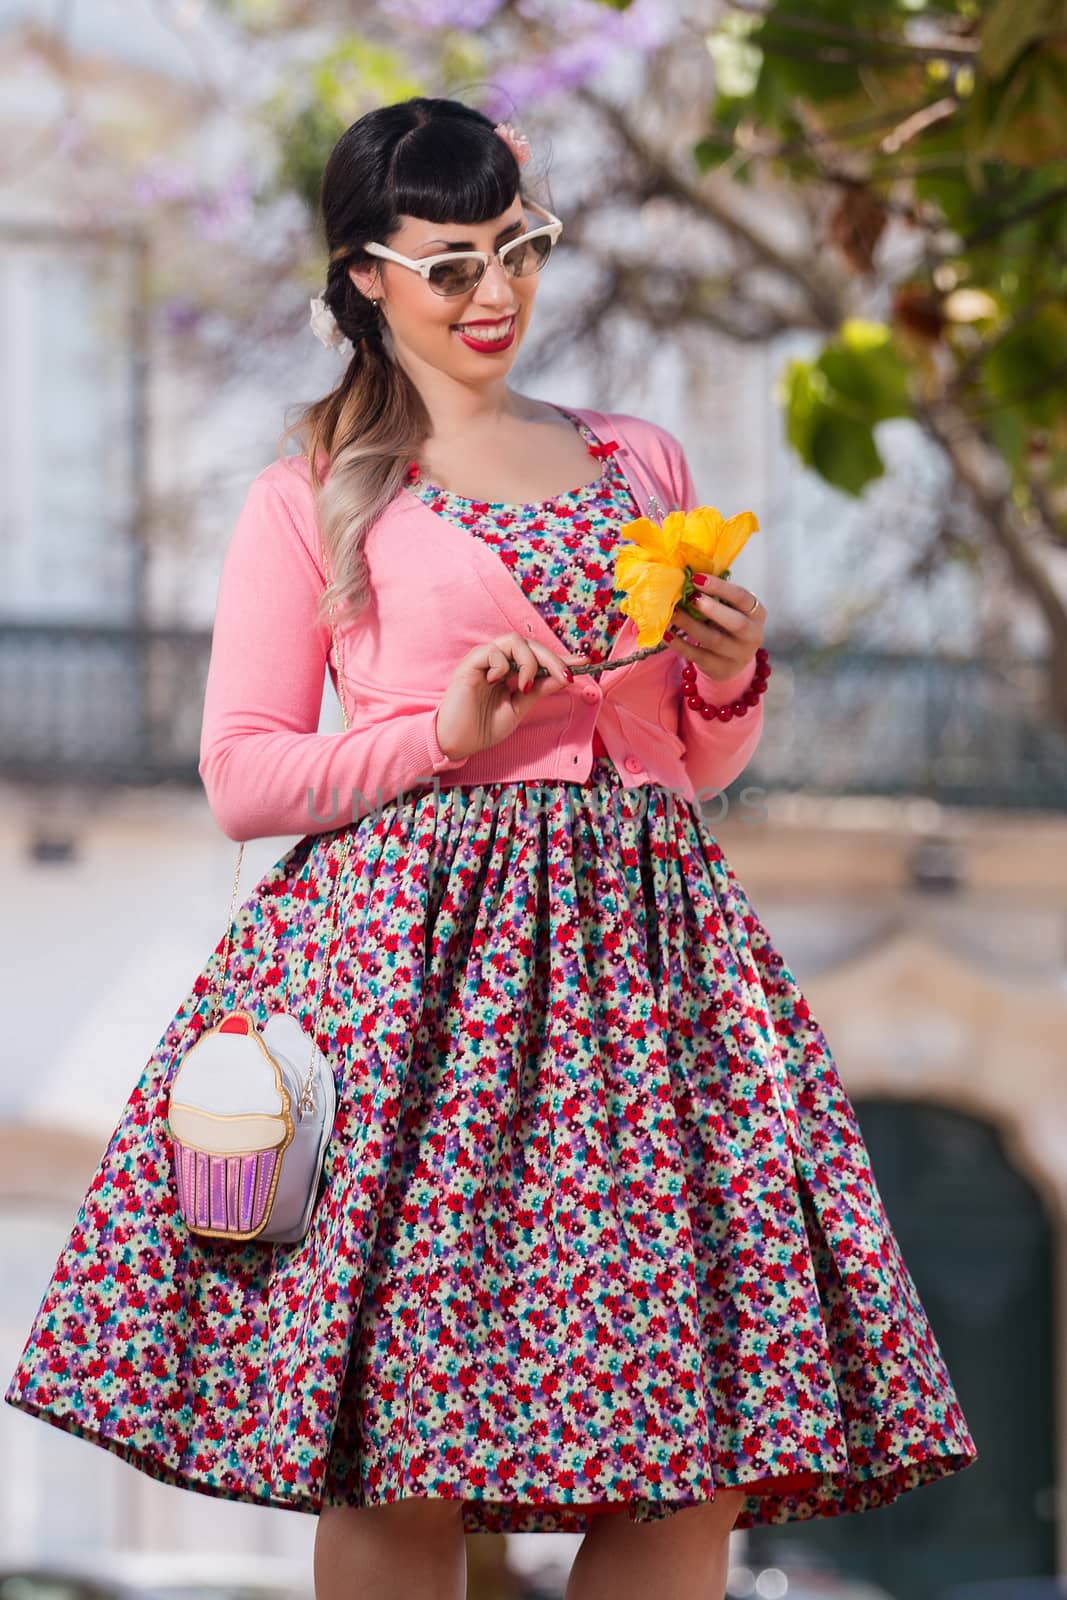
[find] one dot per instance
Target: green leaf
(838, 447)
(1009, 433)
(822, 426)
(712, 151)
(1010, 25)
(868, 377)
(1027, 371)
(802, 391)
(1021, 118)
(843, 451)
(311, 108)
(737, 58)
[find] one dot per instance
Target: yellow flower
(656, 569)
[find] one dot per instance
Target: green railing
(116, 705)
(101, 705)
(963, 732)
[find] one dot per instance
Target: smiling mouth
(489, 331)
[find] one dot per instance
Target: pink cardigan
(436, 592)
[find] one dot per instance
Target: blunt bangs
(452, 171)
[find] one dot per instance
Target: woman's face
(425, 324)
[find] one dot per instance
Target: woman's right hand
(479, 709)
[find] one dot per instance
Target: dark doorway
(980, 1247)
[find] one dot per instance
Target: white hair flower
(324, 325)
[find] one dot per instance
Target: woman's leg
(684, 1556)
(406, 1550)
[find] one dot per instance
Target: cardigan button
(590, 694)
(632, 764)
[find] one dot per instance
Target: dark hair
(425, 157)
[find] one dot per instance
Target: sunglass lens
(530, 256)
(455, 277)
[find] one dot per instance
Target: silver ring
(754, 607)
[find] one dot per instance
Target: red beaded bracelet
(732, 708)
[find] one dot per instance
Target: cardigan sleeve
(715, 752)
(266, 769)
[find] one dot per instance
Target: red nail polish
(700, 578)
(570, 674)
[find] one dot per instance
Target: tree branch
(999, 225)
(986, 476)
(957, 48)
(969, 368)
(1033, 391)
(824, 305)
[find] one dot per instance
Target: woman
(598, 1232)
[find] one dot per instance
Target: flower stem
(623, 661)
(597, 666)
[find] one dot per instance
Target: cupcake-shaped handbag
(250, 1115)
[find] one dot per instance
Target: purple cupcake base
(223, 1194)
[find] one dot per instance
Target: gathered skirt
(596, 1230)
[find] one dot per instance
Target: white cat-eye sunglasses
(459, 271)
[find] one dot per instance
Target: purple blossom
(466, 14)
(180, 315)
(218, 216)
(162, 181)
(594, 36)
(215, 214)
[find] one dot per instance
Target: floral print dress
(597, 1230)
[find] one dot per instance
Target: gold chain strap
(306, 1102)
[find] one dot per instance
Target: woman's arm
(260, 751)
(715, 752)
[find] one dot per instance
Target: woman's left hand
(731, 634)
